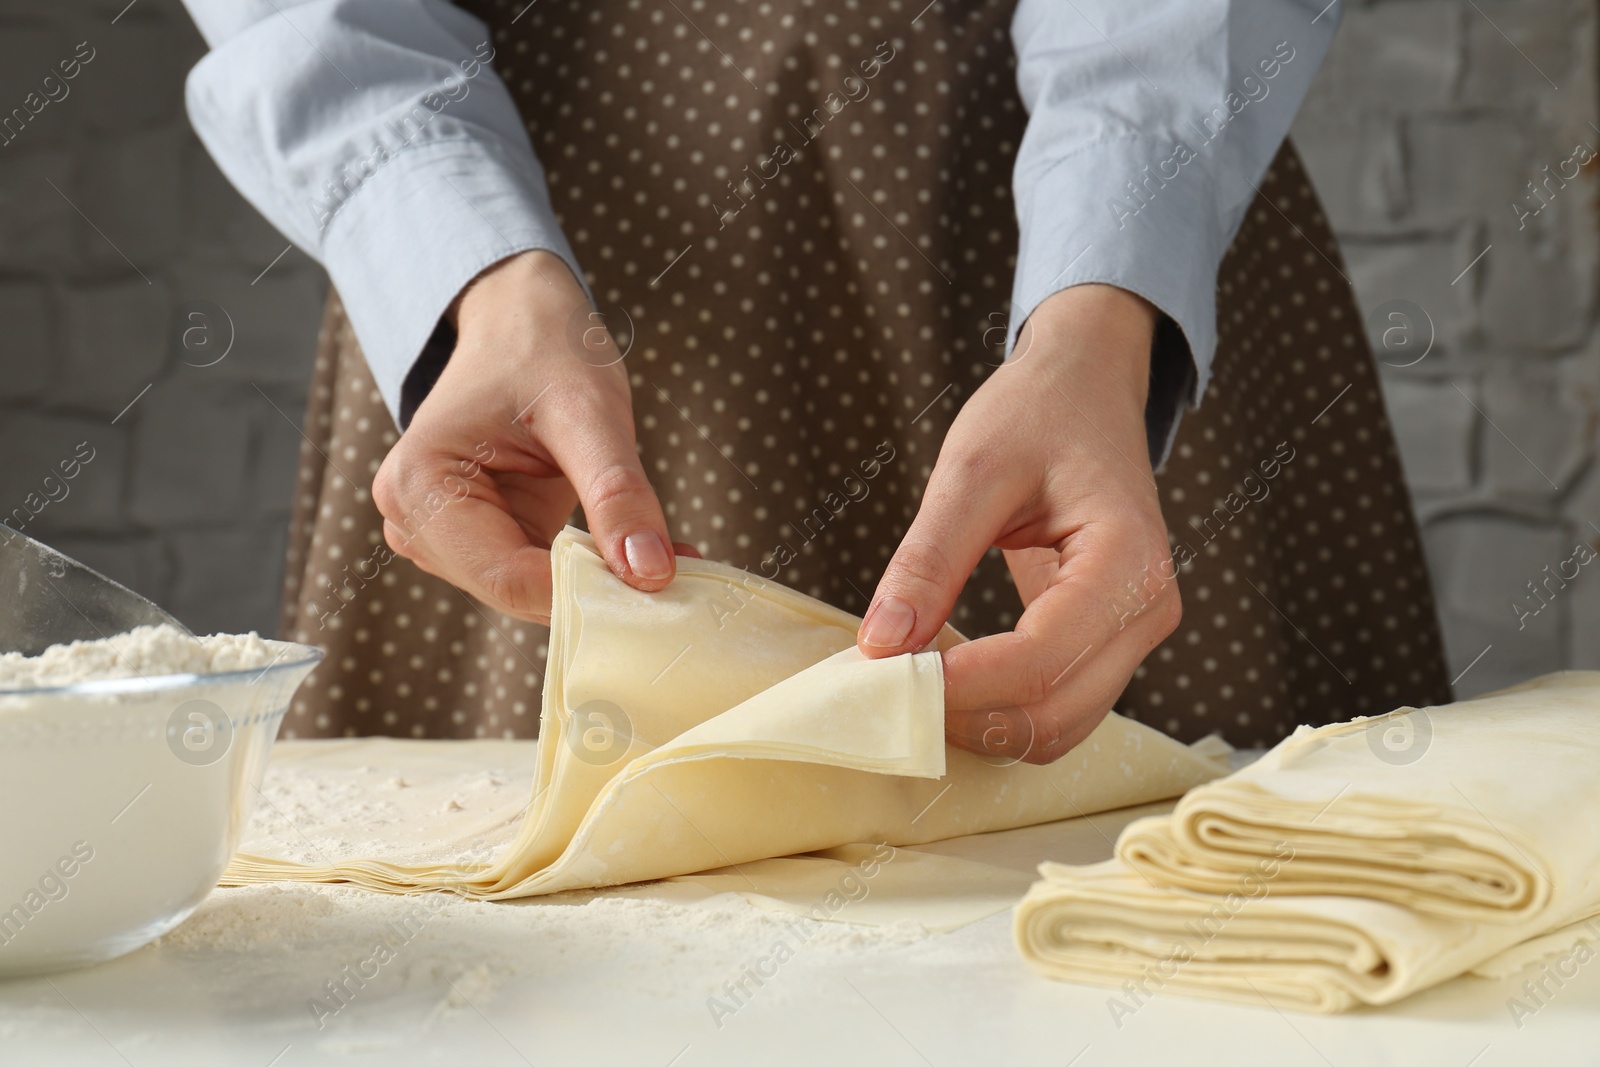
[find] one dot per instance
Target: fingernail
(889, 624)
(647, 556)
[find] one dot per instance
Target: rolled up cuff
(421, 226)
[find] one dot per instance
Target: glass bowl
(121, 801)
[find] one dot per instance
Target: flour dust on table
(675, 741)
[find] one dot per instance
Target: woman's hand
(1049, 461)
(531, 416)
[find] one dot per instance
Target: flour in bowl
(147, 652)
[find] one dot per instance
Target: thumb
(600, 460)
(929, 569)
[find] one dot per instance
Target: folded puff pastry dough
(728, 719)
(1338, 870)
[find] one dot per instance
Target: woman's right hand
(531, 416)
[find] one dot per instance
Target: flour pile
(145, 652)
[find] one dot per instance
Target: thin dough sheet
(723, 721)
(1344, 868)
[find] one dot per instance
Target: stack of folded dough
(728, 719)
(1338, 870)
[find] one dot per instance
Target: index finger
(475, 544)
(1103, 586)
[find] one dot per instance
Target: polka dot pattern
(800, 338)
(1307, 598)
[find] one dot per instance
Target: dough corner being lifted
(727, 719)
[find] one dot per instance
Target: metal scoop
(47, 599)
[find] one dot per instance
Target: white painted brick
(113, 344)
(1465, 167)
(1550, 215)
(1511, 656)
(1398, 56)
(1581, 503)
(1357, 164)
(1517, 49)
(1481, 564)
(1537, 431)
(1532, 296)
(1419, 271)
(1434, 426)
(1582, 507)
(1583, 640)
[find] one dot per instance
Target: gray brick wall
(1424, 128)
(114, 226)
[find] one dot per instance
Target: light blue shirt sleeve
(376, 136)
(1149, 126)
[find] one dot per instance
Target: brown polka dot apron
(800, 335)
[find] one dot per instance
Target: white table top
(503, 985)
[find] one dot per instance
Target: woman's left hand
(1049, 461)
